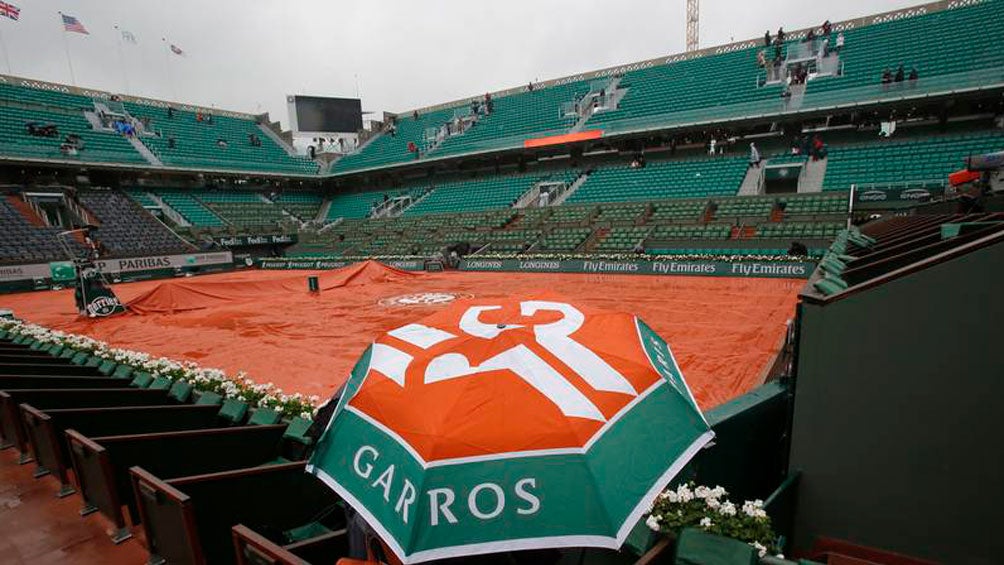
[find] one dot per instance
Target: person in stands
(811, 36)
(414, 115)
(170, 112)
(780, 35)
(766, 38)
(198, 116)
(840, 42)
(913, 74)
(899, 74)
(827, 27)
(754, 156)
(818, 148)
(171, 143)
(886, 76)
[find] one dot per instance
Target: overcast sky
(247, 55)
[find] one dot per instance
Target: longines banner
(325, 264)
(243, 240)
(125, 265)
(770, 269)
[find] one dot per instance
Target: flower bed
(708, 509)
(202, 379)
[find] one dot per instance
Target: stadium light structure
(693, 19)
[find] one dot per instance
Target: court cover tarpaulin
(725, 331)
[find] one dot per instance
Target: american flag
(73, 24)
(10, 11)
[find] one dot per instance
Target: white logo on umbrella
(555, 337)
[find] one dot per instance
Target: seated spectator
(840, 42)
(827, 27)
(32, 128)
(886, 76)
(761, 59)
(198, 116)
(171, 144)
(899, 74)
(221, 143)
(209, 118)
(913, 74)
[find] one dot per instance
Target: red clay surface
(723, 331)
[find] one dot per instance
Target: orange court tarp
(724, 332)
(563, 138)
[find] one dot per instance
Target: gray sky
(248, 54)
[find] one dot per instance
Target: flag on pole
(73, 24)
(9, 11)
(128, 37)
(176, 50)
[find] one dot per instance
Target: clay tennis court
(724, 332)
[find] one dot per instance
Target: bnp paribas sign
(759, 269)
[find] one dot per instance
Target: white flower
(727, 509)
(706, 522)
(713, 503)
(761, 550)
(653, 523)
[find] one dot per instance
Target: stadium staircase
(753, 181)
(811, 179)
(570, 191)
(270, 133)
(145, 152)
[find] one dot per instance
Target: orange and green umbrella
(500, 425)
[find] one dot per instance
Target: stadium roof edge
(917, 10)
(95, 93)
(4, 159)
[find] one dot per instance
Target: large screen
(336, 115)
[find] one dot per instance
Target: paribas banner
(9, 273)
(768, 269)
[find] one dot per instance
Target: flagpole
(66, 46)
(6, 55)
(122, 63)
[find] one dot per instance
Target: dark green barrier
(327, 264)
(759, 269)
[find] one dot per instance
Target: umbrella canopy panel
(514, 424)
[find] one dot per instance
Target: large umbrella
(499, 425)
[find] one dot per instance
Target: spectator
(778, 54)
(766, 38)
(414, 115)
(392, 129)
(198, 116)
(221, 143)
(825, 47)
(754, 156)
(840, 41)
(529, 86)
(818, 148)
(913, 74)
(899, 74)
(761, 59)
(886, 76)
(780, 35)
(171, 143)
(711, 146)
(170, 112)
(209, 118)
(827, 27)
(811, 36)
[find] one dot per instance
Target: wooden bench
(67, 369)
(40, 358)
(188, 520)
(252, 548)
(13, 425)
(8, 382)
(46, 429)
(101, 464)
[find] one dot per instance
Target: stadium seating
(303, 205)
(661, 180)
(920, 162)
(564, 240)
(196, 143)
(478, 194)
(126, 229)
(190, 208)
(622, 240)
(98, 146)
(23, 242)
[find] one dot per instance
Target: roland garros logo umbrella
(506, 425)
